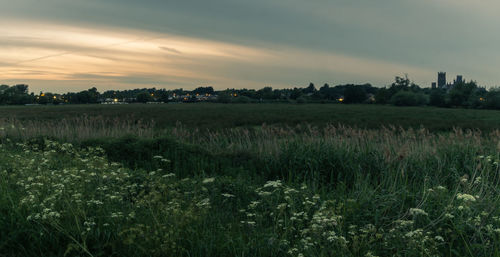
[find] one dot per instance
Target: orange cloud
(119, 58)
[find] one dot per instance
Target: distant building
(433, 85)
(459, 79)
(441, 79)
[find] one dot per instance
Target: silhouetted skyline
(73, 44)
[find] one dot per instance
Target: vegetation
(402, 92)
(114, 186)
(62, 119)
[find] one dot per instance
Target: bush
(223, 98)
(301, 100)
(407, 98)
(437, 98)
(242, 100)
(144, 97)
(493, 99)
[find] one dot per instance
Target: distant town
(402, 92)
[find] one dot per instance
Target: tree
(203, 90)
(354, 94)
(296, 93)
(266, 93)
(144, 97)
(382, 96)
(460, 93)
(310, 89)
(437, 97)
(492, 99)
(401, 83)
(223, 97)
(17, 94)
(408, 98)
(302, 100)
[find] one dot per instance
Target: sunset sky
(71, 45)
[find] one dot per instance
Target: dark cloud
(437, 35)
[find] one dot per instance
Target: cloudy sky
(71, 45)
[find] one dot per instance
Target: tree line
(402, 92)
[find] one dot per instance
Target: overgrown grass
(261, 191)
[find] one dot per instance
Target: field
(216, 116)
(249, 180)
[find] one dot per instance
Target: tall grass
(77, 129)
(262, 191)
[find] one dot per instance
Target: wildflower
(439, 238)
(89, 223)
(466, 197)
(265, 193)
(449, 215)
(441, 188)
(116, 214)
(251, 223)
(414, 233)
(417, 212)
(208, 180)
(370, 254)
(274, 184)
(96, 202)
(204, 202)
(281, 206)
(290, 191)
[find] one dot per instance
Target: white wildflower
(466, 197)
(417, 212)
(208, 180)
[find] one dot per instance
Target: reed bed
(77, 129)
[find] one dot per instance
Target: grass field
(316, 180)
(217, 116)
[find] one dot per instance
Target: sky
(72, 45)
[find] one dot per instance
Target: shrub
(407, 98)
(301, 100)
(437, 98)
(242, 100)
(493, 99)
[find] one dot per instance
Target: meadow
(249, 180)
(217, 116)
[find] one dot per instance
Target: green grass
(216, 116)
(310, 189)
